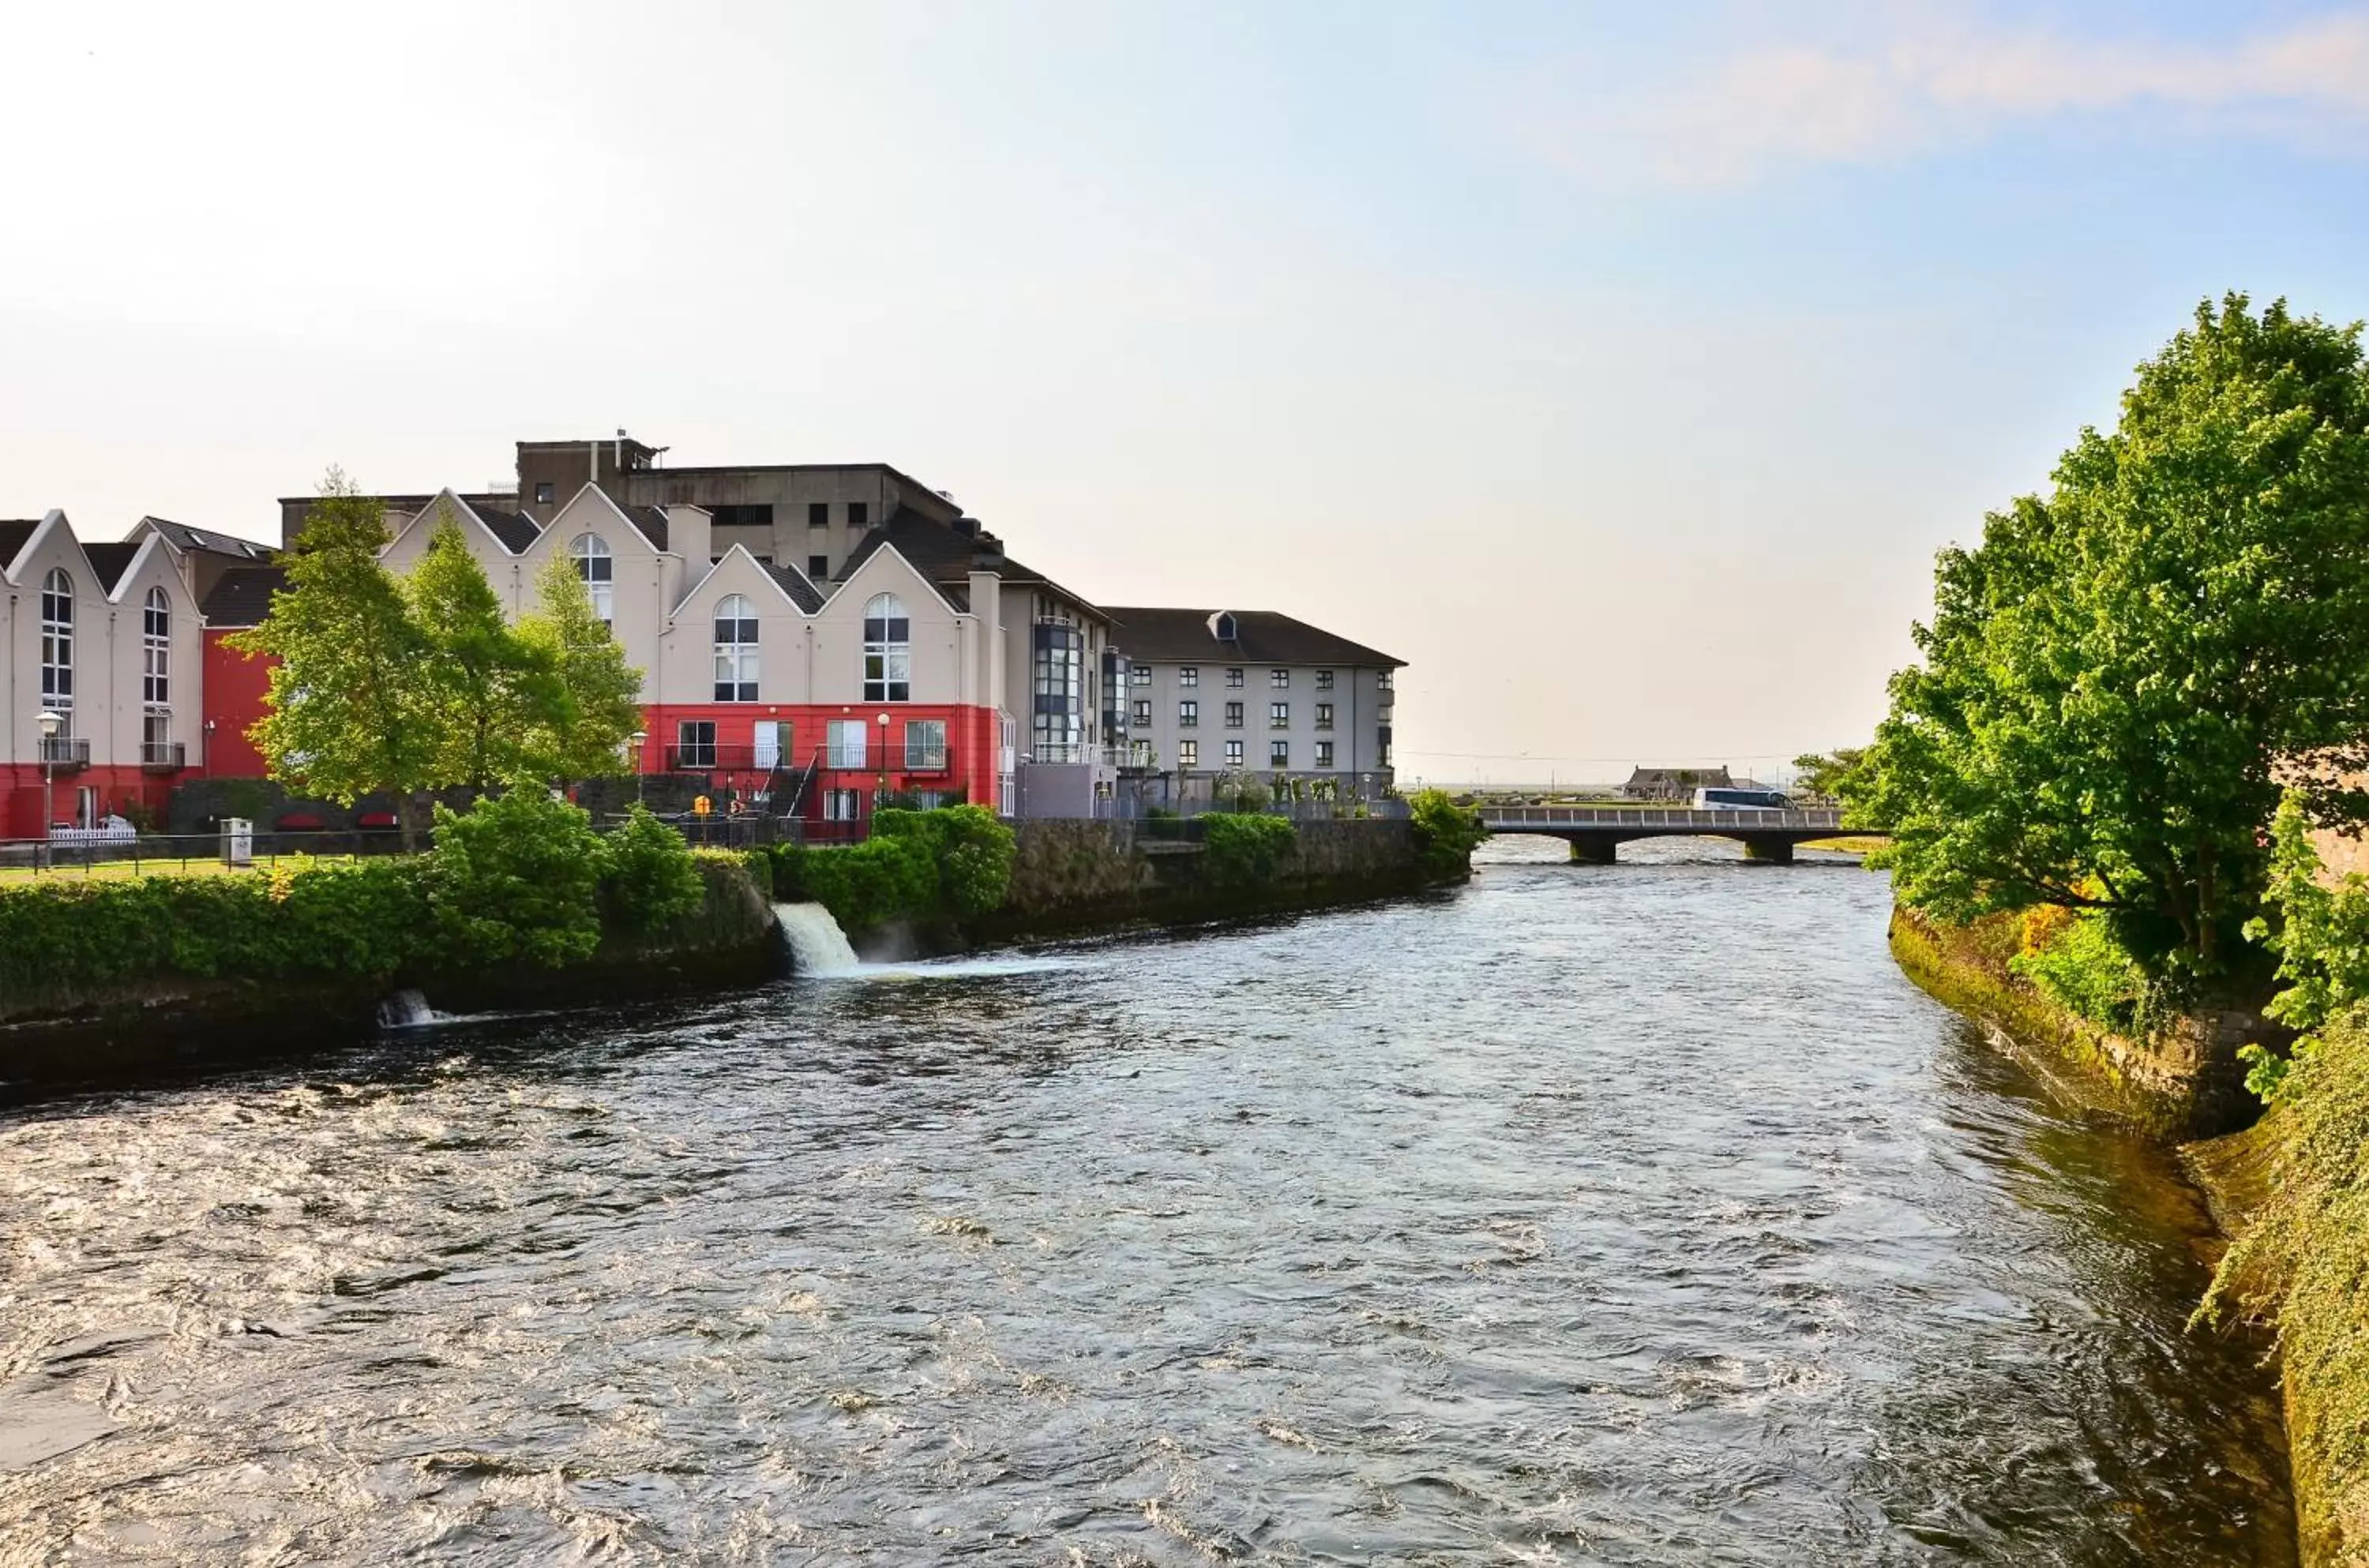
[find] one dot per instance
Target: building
(1212, 693)
(1674, 783)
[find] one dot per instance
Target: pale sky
(1623, 372)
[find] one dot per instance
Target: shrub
(887, 878)
(518, 875)
(2077, 963)
(647, 878)
(975, 850)
(1446, 832)
(1245, 851)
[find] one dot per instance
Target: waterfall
(405, 1010)
(816, 945)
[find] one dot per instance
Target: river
(1630, 1215)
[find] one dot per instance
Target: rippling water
(1628, 1215)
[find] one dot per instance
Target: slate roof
(243, 598)
(1673, 778)
(802, 593)
(13, 535)
(947, 556)
(515, 530)
(108, 561)
(181, 536)
(1153, 636)
(651, 520)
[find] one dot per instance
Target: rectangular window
(817, 514)
(1323, 680)
(774, 744)
(1382, 746)
(1143, 711)
(818, 568)
(1278, 753)
(1323, 715)
(1189, 714)
(1325, 753)
(1188, 675)
(1234, 677)
(843, 805)
(1278, 678)
(926, 746)
(1188, 753)
(695, 743)
(1383, 682)
(1233, 753)
(1058, 680)
(542, 493)
(1278, 716)
(1143, 676)
(859, 514)
(1233, 715)
(847, 742)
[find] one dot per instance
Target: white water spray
(816, 945)
(406, 1010)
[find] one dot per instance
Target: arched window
(599, 570)
(57, 642)
(888, 650)
(735, 650)
(155, 649)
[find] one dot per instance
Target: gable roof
(108, 561)
(1261, 636)
(14, 532)
(802, 593)
(794, 588)
(651, 520)
(515, 530)
(1662, 778)
(947, 555)
(243, 597)
(181, 536)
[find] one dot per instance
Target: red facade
(894, 760)
(233, 690)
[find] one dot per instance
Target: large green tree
(345, 714)
(489, 690)
(594, 702)
(2118, 680)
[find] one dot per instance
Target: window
(1323, 715)
(735, 650)
(1057, 682)
(888, 650)
(695, 743)
(1325, 753)
(817, 514)
(859, 514)
(1278, 716)
(1278, 679)
(155, 649)
(598, 569)
(843, 805)
(1143, 676)
(742, 514)
(1143, 712)
(1234, 679)
(1278, 753)
(1233, 715)
(57, 641)
(1188, 753)
(543, 492)
(1382, 682)
(774, 745)
(1382, 746)
(818, 568)
(926, 746)
(1233, 753)
(1188, 675)
(155, 737)
(1323, 680)
(846, 742)
(1189, 714)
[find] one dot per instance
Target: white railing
(1675, 819)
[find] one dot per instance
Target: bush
(2074, 960)
(1446, 833)
(1245, 851)
(887, 878)
(647, 878)
(516, 876)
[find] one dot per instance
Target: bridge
(1595, 833)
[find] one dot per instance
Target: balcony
(70, 752)
(163, 756)
(925, 759)
(720, 760)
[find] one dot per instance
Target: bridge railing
(1674, 819)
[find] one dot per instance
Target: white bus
(1740, 801)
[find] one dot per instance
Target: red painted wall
(20, 795)
(970, 745)
(234, 687)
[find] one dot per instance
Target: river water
(1628, 1215)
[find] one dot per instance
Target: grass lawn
(69, 870)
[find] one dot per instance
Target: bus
(1740, 801)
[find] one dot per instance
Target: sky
(1620, 367)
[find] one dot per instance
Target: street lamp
(635, 740)
(881, 793)
(51, 722)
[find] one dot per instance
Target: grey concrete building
(1213, 692)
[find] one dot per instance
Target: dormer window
(1221, 626)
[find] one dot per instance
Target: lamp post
(880, 794)
(49, 722)
(635, 740)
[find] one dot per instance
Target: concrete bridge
(1594, 832)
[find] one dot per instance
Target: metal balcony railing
(163, 756)
(65, 751)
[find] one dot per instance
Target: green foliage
(1448, 832)
(1821, 773)
(885, 879)
(647, 875)
(2321, 938)
(592, 705)
(972, 849)
(1235, 793)
(2084, 969)
(1246, 851)
(2112, 677)
(484, 690)
(953, 862)
(516, 876)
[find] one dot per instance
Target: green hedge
(1246, 851)
(946, 864)
(1448, 832)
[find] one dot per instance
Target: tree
(346, 713)
(594, 703)
(2119, 678)
(1822, 772)
(485, 689)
